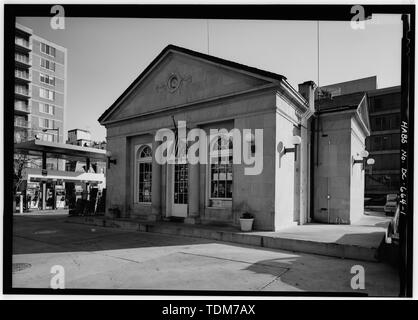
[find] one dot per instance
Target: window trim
(51, 70)
(52, 107)
(137, 162)
(46, 75)
(40, 49)
(42, 126)
(53, 94)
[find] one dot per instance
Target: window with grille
(144, 174)
(181, 183)
(47, 64)
(46, 108)
(221, 169)
(46, 94)
(46, 123)
(47, 49)
(47, 79)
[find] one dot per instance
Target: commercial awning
(60, 150)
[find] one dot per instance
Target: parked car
(391, 204)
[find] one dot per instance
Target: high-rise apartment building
(40, 73)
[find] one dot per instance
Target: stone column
(156, 184)
(193, 215)
(304, 173)
(193, 194)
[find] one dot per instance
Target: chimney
(307, 90)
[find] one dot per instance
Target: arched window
(144, 174)
(220, 175)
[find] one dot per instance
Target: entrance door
(180, 188)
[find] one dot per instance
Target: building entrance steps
(360, 240)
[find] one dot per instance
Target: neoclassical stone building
(207, 93)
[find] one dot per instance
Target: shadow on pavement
(53, 235)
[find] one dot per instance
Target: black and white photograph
(208, 150)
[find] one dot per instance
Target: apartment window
(22, 58)
(394, 122)
(144, 174)
(379, 123)
(220, 176)
(21, 89)
(46, 137)
(46, 108)
(46, 94)
(20, 73)
(22, 42)
(47, 79)
(46, 123)
(47, 49)
(47, 64)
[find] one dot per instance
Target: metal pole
(43, 195)
(43, 182)
(21, 204)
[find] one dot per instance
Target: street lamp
(109, 159)
(364, 154)
(295, 140)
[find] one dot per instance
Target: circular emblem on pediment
(173, 82)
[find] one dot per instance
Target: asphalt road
(106, 258)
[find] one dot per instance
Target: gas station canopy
(60, 150)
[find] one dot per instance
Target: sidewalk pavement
(360, 241)
(96, 257)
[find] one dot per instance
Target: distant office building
(384, 141)
(40, 73)
(80, 137)
(347, 87)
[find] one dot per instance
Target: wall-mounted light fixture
(109, 159)
(296, 140)
(364, 154)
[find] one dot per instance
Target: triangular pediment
(179, 77)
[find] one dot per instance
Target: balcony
(23, 108)
(23, 44)
(23, 76)
(23, 60)
(20, 123)
(22, 92)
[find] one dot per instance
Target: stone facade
(210, 93)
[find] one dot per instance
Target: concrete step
(298, 239)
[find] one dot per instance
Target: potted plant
(246, 221)
(115, 212)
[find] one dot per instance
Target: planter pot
(246, 224)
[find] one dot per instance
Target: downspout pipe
(312, 169)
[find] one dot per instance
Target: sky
(105, 55)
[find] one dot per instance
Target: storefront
(56, 189)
